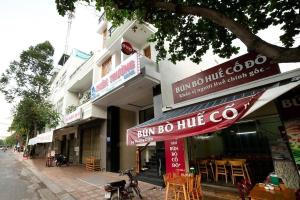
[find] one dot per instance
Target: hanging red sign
(194, 123)
(127, 48)
(174, 152)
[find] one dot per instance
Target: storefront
(80, 138)
(229, 112)
(64, 142)
(126, 91)
(91, 142)
(41, 144)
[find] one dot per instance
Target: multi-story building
(106, 97)
(100, 96)
(127, 86)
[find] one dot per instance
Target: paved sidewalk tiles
(74, 182)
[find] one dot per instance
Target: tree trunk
(254, 43)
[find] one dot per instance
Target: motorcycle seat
(117, 183)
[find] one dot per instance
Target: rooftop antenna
(70, 18)
(65, 56)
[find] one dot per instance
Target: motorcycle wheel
(138, 192)
(115, 197)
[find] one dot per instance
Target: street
(18, 183)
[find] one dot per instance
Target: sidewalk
(75, 182)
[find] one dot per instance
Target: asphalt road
(17, 182)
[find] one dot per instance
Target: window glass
(146, 115)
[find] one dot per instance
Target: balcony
(101, 18)
(129, 85)
(131, 31)
(81, 78)
(111, 30)
(102, 23)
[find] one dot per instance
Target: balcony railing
(111, 30)
(101, 18)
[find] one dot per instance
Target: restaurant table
(260, 193)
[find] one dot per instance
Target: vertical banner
(289, 107)
(175, 160)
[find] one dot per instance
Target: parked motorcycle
(120, 190)
(61, 160)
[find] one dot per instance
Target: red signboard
(174, 152)
(194, 123)
(241, 70)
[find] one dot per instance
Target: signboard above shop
(127, 70)
(241, 70)
(193, 123)
(73, 116)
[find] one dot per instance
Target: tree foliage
(29, 77)
(191, 27)
(32, 115)
(28, 81)
(10, 140)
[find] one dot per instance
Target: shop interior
(244, 150)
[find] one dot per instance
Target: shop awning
(41, 138)
(45, 137)
(204, 117)
(32, 141)
(271, 94)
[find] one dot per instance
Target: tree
(27, 81)
(11, 140)
(32, 115)
(30, 76)
(191, 27)
(14, 138)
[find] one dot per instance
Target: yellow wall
(127, 153)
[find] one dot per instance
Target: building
(100, 96)
(118, 106)
(230, 112)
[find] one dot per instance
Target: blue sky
(25, 23)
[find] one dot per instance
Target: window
(145, 115)
(106, 65)
(147, 52)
